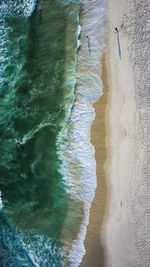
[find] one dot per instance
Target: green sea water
(36, 94)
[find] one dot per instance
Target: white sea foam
(1, 204)
(81, 182)
(79, 31)
(48, 122)
(17, 7)
(47, 254)
(27, 6)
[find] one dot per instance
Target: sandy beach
(118, 231)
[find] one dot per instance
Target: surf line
(33, 8)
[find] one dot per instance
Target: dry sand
(118, 233)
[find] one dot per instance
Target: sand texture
(118, 233)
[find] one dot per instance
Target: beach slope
(118, 232)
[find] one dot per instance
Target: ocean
(47, 167)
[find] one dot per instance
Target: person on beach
(88, 40)
(116, 29)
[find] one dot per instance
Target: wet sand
(94, 243)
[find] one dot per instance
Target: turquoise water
(36, 96)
